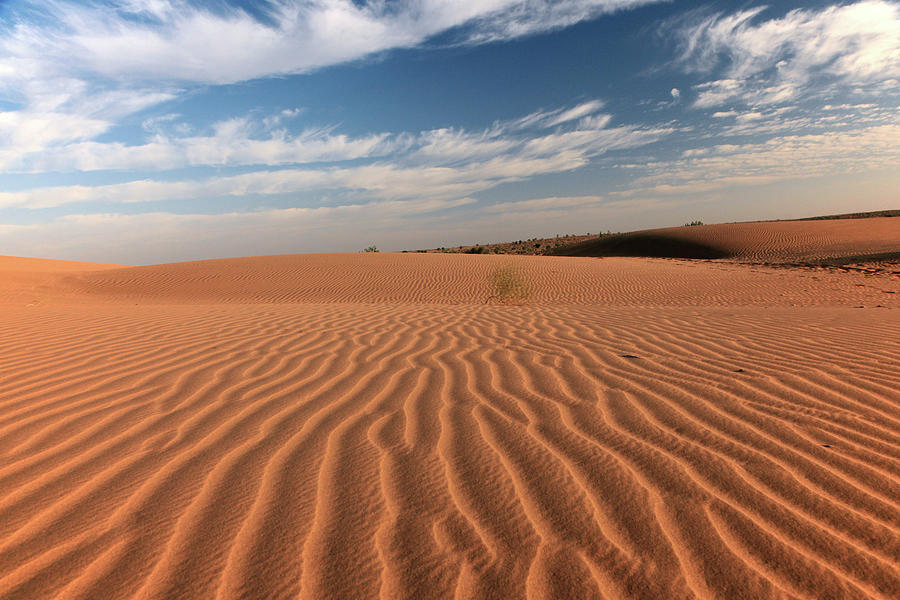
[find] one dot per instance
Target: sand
(391, 426)
(826, 241)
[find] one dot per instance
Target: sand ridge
(20, 264)
(26, 280)
(766, 241)
(382, 426)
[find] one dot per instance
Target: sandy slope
(19, 264)
(769, 241)
(22, 280)
(364, 426)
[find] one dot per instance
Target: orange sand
(838, 240)
(383, 426)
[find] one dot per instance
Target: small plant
(693, 223)
(370, 249)
(509, 285)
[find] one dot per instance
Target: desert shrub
(693, 223)
(475, 250)
(509, 285)
(370, 249)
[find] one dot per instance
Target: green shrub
(370, 249)
(693, 224)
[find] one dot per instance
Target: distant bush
(693, 224)
(370, 249)
(475, 250)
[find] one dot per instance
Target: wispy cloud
(842, 150)
(542, 205)
(577, 112)
(233, 142)
(551, 118)
(223, 43)
(770, 61)
(432, 164)
(74, 69)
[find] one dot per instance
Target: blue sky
(144, 131)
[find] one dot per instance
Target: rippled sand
(394, 426)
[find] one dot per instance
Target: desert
(449, 300)
(408, 425)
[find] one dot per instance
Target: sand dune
(840, 240)
(451, 279)
(19, 264)
(392, 426)
(24, 279)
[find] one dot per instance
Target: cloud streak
(771, 61)
(855, 150)
(439, 163)
(173, 40)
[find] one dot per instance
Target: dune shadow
(645, 245)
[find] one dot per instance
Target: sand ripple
(422, 449)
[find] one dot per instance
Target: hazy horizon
(149, 132)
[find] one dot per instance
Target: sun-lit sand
(813, 241)
(393, 426)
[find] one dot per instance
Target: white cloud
(517, 18)
(551, 118)
(577, 112)
(774, 60)
(860, 150)
(24, 132)
(749, 116)
(803, 120)
(449, 146)
(229, 146)
(441, 163)
(542, 205)
(675, 93)
(378, 180)
(192, 43)
(76, 68)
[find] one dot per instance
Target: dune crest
(808, 241)
(19, 264)
(377, 426)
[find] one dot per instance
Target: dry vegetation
(509, 285)
(533, 246)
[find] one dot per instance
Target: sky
(150, 131)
